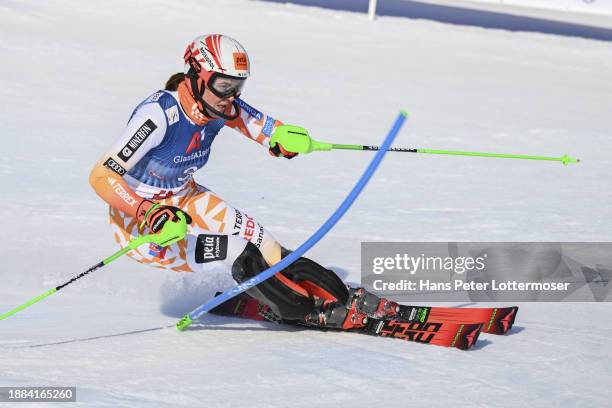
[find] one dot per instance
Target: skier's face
(222, 91)
(217, 103)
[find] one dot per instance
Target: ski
(449, 334)
(495, 320)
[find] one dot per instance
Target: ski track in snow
(344, 78)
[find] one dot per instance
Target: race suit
(155, 158)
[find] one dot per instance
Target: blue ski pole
(320, 233)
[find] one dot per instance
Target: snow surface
(579, 13)
(483, 14)
(581, 6)
(71, 73)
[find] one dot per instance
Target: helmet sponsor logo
(249, 109)
(240, 61)
(172, 115)
(114, 166)
(205, 52)
(143, 132)
(210, 248)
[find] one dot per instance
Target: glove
(155, 215)
(287, 141)
(279, 151)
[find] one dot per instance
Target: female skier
(147, 179)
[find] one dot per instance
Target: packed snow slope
(71, 73)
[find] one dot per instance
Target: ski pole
(565, 159)
(316, 237)
(172, 232)
(297, 140)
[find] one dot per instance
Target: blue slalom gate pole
(316, 237)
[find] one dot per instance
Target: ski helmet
(219, 64)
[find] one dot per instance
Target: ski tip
(467, 336)
(502, 321)
(511, 318)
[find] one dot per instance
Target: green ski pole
(297, 140)
(565, 159)
(172, 232)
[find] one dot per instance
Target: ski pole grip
(171, 232)
(294, 139)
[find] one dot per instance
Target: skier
(147, 179)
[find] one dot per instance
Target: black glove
(278, 151)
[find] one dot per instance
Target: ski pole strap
(320, 233)
(565, 159)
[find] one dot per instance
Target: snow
(579, 13)
(572, 6)
(592, 20)
(73, 71)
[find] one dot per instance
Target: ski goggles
(224, 86)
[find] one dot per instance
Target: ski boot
(361, 306)
(335, 315)
(374, 306)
